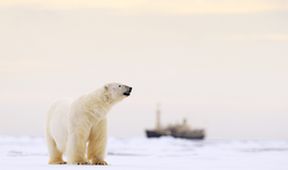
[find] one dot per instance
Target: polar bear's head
(116, 92)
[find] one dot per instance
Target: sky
(221, 64)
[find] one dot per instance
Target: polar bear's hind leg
(55, 156)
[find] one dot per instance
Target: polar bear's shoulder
(60, 104)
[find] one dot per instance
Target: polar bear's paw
(59, 162)
(82, 163)
(99, 162)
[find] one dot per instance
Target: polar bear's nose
(130, 89)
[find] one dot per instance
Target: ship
(182, 130)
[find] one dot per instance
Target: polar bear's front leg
(76, 149)
(97, 143)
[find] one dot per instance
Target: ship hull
(157, 134)
(153, 134)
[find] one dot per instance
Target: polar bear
(77, 129)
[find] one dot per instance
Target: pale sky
(159, 6)
(222, 64)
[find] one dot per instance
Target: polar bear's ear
(106, 87)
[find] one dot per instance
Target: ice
(156, 154)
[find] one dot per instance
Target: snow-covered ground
(156, 154)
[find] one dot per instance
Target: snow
(156, 154)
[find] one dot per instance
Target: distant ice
(156, 154)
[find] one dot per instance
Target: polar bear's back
(57, 122)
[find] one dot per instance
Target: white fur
(78, 128)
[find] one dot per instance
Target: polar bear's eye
(119, 86)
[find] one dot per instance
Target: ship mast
(158, 114)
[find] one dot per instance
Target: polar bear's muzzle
(128, 91)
